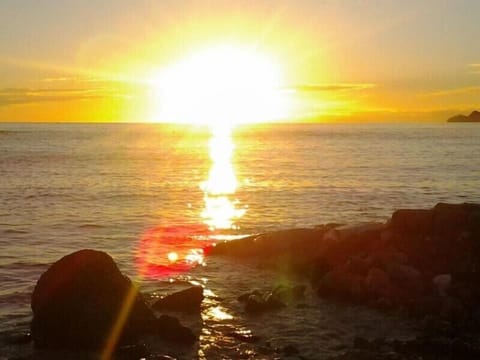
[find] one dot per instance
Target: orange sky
(346, 60)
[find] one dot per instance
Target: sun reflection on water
(221, 211)
(170, 249)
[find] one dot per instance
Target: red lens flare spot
(169, 250)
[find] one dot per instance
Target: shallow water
(66, 187)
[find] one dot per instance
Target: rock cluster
(423, 261)
(83, 301)
(422, 347)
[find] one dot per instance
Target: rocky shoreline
(422, 264)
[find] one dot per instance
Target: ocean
(65, 187)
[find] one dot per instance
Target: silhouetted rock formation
(473, 117)
(188, 300)
(83, 298)
(426, 262)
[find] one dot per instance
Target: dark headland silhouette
(473, 117)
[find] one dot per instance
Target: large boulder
(82, 299)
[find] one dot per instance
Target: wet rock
(76, 303)
(188, 300)
(378, 282)
(441, 284)
(340, 283)
(245, 336)
(320, 268)
(169, 328)
(257, 304)
(451, 219)
(407, 277)
(412, 221)
(244, 297)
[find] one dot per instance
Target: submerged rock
(188, 300)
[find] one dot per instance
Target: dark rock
(131, 352)
(342, 284)
(441, 284)
(77, 302)
(378, 283)
(244, 297)
(412, 221)
(256, 304)
(169, 328)
(273, 302)
(320, 268)
(188, 300)
(449, 220)
(407, 277)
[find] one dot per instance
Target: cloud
(456, 91)
(475, 68)
(331, 87)
(15, 96)
(75, 79)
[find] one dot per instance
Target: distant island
(473, 117)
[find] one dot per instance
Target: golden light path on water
(167, 251)
(174, 248)
(221, 210)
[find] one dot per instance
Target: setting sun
(221, 85)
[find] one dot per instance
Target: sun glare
(221, 85)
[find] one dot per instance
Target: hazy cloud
(331, 87)
(74, 79)
(475, 68)
(11, 96)
(456, 91)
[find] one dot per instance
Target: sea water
(65, 187)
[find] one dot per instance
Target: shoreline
(414, 266)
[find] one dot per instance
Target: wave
(15, 231)
(91, 226)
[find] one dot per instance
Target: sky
(340, 60)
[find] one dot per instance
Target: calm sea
(65, 187)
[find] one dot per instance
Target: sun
(221, 85)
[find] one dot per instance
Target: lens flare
(164, 251)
